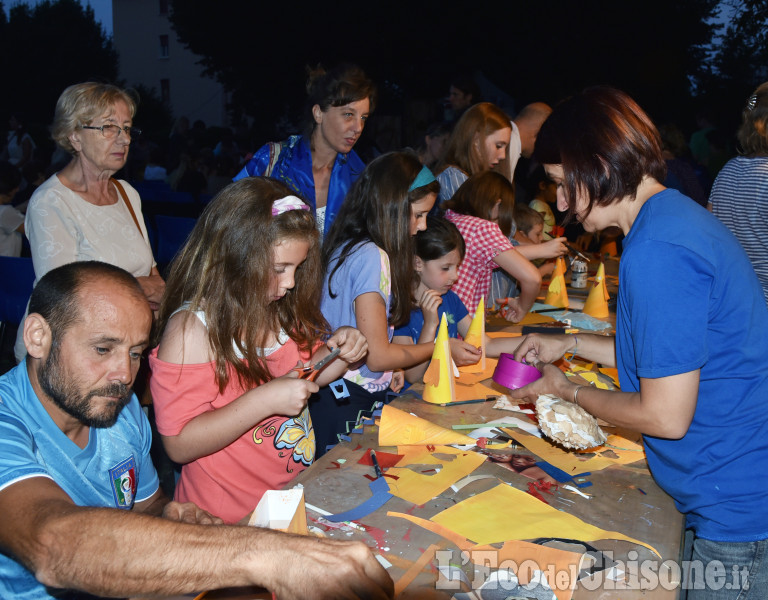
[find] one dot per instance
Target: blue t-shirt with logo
(114, 470)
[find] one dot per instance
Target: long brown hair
(225, 270)
(465, 146)
(378, 209)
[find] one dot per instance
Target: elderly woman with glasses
(82, 212)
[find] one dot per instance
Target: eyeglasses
(112, 131)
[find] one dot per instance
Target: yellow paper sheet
(504, 513)
(397, 427)
(421, 488)
(573, 462)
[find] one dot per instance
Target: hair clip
(752, 102)
(288, 203)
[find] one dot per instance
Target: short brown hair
(605, 143)
(80, 104)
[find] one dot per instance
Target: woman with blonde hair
(82, 212)
(478, 143)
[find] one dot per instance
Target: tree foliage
(532, 50)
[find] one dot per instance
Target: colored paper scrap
(421, 488)
(398, 428)
(484, 518)
(471, 391)
(385, 459)
(624, 450)
(416, 568)
(380, 496)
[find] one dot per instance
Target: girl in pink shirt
(240, 312)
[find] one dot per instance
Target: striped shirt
(739, 199)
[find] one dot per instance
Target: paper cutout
(597, 301)
(488, 519)
(385, 459)
(398, 428)
(471, 378)
(380, 496)
(282, 510)
(476, 337)
(418, 488)
(457, 540)
(557, 295)
(416, 568)
(439, 384)
(572, 462)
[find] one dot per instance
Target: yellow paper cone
(399, 428)
(440, 387)
(597, 301)
(557, 295)
(476, 337)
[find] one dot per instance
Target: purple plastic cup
(512, 374)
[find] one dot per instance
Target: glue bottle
(579, 273)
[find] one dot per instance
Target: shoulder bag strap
(127, 203)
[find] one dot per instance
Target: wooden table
(624, 498)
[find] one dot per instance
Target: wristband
(575, 347)
(576, 395)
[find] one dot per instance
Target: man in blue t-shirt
(78, 493)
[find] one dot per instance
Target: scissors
(311, 372)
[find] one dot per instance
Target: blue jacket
(294, 168)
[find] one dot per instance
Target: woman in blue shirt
(320, 165)
(691, 326)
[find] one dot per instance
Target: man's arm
(110, 552)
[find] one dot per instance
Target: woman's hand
(463, 353)
(352, 343)
(398, 381)
(553, 381)
(429, 302)
(544, 348)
